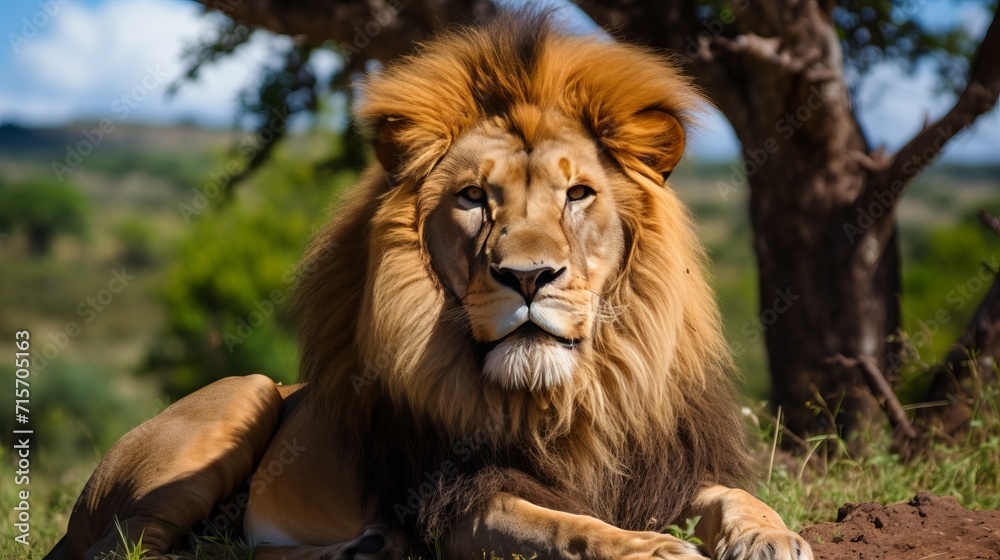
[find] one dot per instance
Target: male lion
(508, 342)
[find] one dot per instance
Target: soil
(927, 527)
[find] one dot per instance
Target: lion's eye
(579, 192)
(473, 194)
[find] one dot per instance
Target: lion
(508, 340)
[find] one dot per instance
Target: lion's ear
(651, 138)
(388, 149)
(664, 136)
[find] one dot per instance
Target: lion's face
(525, 234)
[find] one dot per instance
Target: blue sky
(78, 59)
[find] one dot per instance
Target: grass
(52, 495)
(128, 550)
(803, 489)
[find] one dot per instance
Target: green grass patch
(806, 490)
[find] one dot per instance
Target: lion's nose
(525, 282)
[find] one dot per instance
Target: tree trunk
(825, 290)
(822, 292)
(39, 239)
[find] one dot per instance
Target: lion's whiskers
(606, 312)
(457, 318)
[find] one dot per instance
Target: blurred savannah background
(162, 169)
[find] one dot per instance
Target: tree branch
(887, 182)
(375, 28)
(881, 388)
(768, 50)
(990, 221)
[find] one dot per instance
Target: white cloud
(89, 56)
(60, 59)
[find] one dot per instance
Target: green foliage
(284, 90)
(947, 272)
(182, 170)
(231, 279)
(43, 208)
(138, 240)
(875, 31)
(685, 533)
(78, 411)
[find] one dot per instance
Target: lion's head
(517, 255)
(522, 229)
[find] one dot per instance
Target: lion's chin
(530, 362)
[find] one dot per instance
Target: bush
(227, 290)
(137, 239)
(43, 208)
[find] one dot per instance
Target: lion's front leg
(511, 525)
(737, 526)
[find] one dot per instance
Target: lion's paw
(648, 546)
(375, 543)
(764, 543)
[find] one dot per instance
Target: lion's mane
(641, 426)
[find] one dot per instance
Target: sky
(69, 60)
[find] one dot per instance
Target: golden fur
(651, 420)
(609, 412)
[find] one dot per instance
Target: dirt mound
(926, 527)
